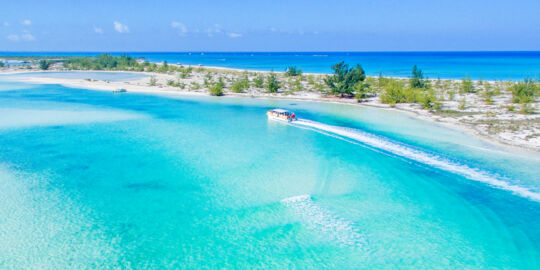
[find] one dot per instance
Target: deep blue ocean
(449, 65)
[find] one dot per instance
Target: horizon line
(242, 51)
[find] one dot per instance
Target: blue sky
(384, 25)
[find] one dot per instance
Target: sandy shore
(518, 138)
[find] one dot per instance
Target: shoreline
(141, 86)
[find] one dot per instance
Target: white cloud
(28, 37)
(273, 29)
(6, 24)
(182, 29)
(98, 30)
(25, 36)
(234, 35)
(120, 28)
(13, 37)
(215, 29)
(27, 22)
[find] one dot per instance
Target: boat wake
(324, 221)
(420, 156)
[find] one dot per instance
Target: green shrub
(467, 85)
(451, 94)
(526, 108)
(216, 89)
(361, 90)
(164, 67)
(195, 86)
(411, 94)
(438, 83)
(259, 81)
(272, 84)
(185, 72)
(152, 67)
(241, 84)
(319, 87)
(462, 104)
(428, 99)
(393, 92)
(511, 108)
(207, 79)
(292, 71)
(310, 80)
(296, 85)
(525, 91)
(153, 81)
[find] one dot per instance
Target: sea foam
(439, 162)
(324, 221)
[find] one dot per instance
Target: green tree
(272, 84)
(292, 71)
(2, 64)
(417, 78)
(344, 79)
(44, 64)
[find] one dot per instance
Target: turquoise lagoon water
(90, 178)
(454, 65)
(83, 75)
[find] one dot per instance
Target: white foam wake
(324, 221)
(420, 156)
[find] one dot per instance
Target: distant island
(506, 111)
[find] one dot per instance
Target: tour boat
(119, 90)
(281, 115)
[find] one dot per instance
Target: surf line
(321, 220)
(420, 156)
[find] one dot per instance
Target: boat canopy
(280, 111)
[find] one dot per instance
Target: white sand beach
(493, 122)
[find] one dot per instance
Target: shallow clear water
(453, 65)
(101, 76)
(90, 178)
